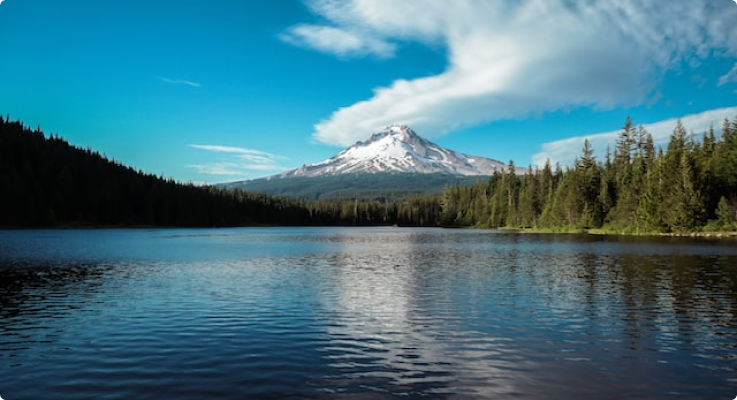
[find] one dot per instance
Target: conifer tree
(680, 195)
(725, 215)
(528, 203)
(510, 188)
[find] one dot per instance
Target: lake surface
(365, 313)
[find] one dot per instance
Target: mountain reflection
(394, 323)
(484, 318)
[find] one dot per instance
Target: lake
(364, 313)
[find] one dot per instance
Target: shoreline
(604, 232)
(717, 235)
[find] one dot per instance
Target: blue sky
(217, 91)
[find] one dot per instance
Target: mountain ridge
(398, 148)
(395, 163)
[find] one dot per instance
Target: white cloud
(510, 59)
(566, 150)
(730, 76)
(229, 149)
(226, 169)
(180, 82)
(238, 162)
(335, 40)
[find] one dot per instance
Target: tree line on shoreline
(690, 186)
(52, 183)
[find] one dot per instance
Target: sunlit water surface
(372, 313)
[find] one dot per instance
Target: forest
(689, 186)
(50, 183)
(384, 187)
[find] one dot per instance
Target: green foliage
(49, 182)
(637, 190)
(382, 187)
(689, 187)
(726, 216)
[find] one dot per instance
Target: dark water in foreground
(373, 313)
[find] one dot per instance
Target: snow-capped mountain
(398, 149)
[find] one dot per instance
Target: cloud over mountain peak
(513, 59)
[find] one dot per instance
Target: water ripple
(368, 314)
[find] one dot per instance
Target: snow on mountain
(398, 149)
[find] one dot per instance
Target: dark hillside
(382, 187)
(48, 182)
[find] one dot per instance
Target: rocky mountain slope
(392, 164)
(398, 149)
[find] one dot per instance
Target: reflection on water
(364, 313)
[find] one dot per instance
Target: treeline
(383, 187)
(690, 186)
(48, 182)
(638, 188)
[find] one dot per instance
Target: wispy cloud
(180, 82)
(729, 77)
(566, 150)
(223, 169)
(227, 149)
(511, 59)
(336, 40)
(238, 161)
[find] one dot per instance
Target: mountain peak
(398, 148)
(401, 132)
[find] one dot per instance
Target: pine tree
(681, 200)
(528, 205)
(510, 187)
(649, 212)
(589, 181)
(725, 215)
(626, 139)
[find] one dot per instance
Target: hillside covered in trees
(689, 186)
(383, 187)
(48, 182)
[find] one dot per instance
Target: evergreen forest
(690, 186)
(47, 182)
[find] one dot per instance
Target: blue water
(365, 313)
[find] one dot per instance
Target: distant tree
(725, 214)
(528, 205)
